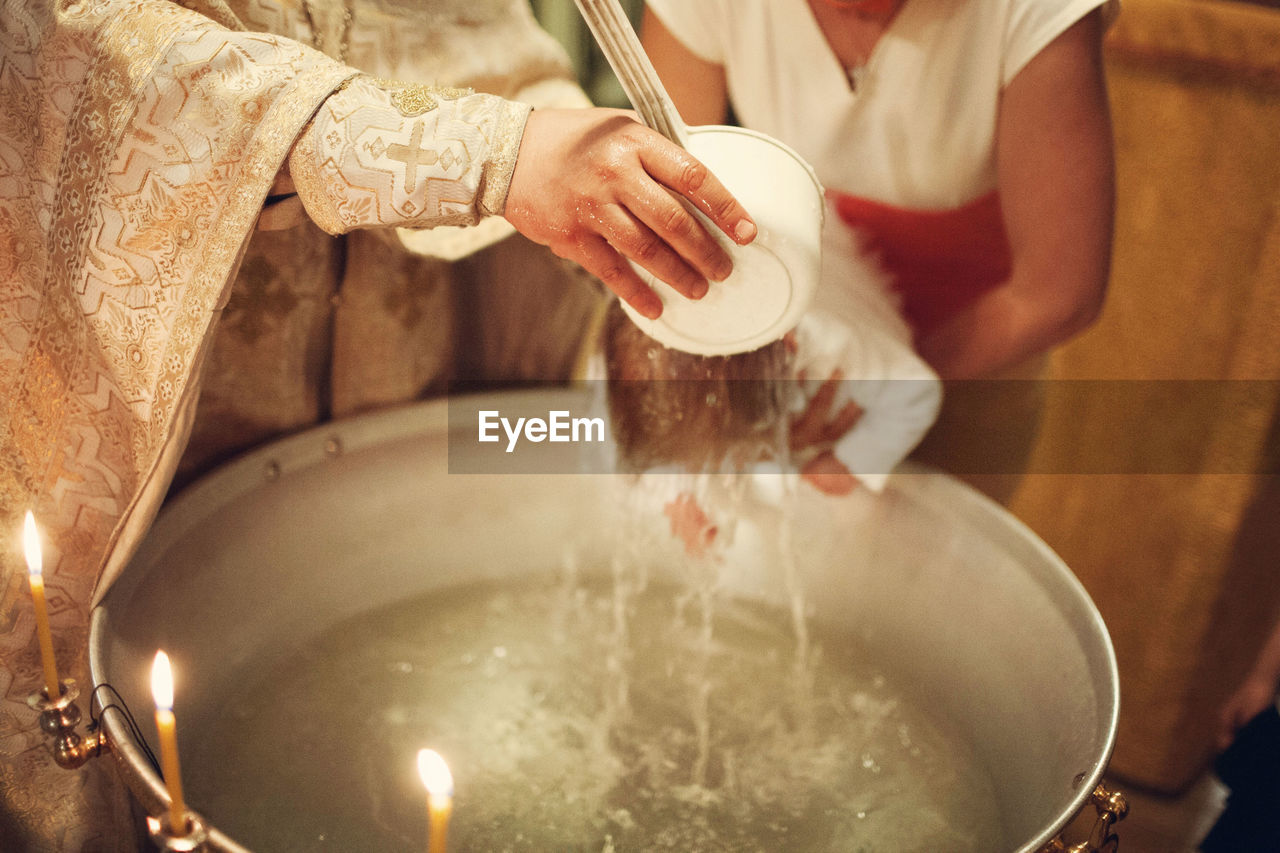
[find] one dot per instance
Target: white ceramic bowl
(774, 276)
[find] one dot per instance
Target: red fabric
(939, 260)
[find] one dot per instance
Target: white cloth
(919, 131)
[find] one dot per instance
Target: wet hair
(703, 413)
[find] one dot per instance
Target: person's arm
(1255, 693)
(698, 87)
(594, 185)
(1056, 181)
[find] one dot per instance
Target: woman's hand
(1250, 699)
(817, 430)
(875, 402)
(598, 187)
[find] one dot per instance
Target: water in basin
(586, 712)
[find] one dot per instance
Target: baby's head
(702, 413)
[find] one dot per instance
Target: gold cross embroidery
(414, 99)
(412, 156)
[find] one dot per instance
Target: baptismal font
(898, 571)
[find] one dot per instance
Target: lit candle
(162, 692)
(35, 573)
(439, 781)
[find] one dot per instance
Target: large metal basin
(947, 589)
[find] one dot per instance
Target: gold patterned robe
(139, 144)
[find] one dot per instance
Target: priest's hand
(597, 187)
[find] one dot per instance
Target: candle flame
(435, 773)
(162, 682)
(31, 545)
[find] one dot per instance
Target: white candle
(35, 574)
(439, 783)
(166, 725)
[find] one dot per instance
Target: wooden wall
(1185, 567)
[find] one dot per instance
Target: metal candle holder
(59, 719)
(193, 838)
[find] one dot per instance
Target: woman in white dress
(966, 150)
(966, 145)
